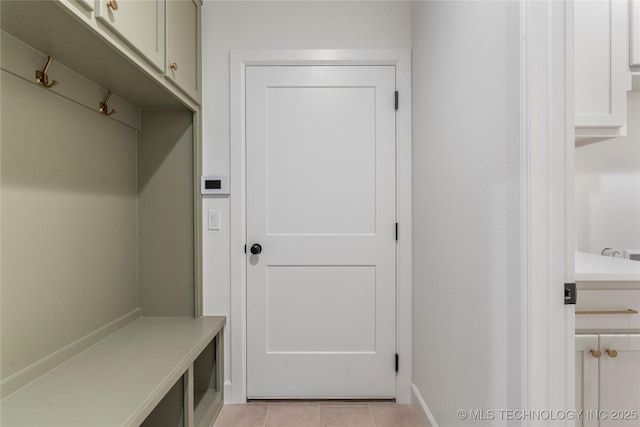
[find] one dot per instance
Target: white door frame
(547, 230)
(235, 387)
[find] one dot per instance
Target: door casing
(235, 378)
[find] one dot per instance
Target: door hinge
(396, 231)
(397, 363)
(397, 100)
(570, 293)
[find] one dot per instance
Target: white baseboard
(228, 393)
(416, 396)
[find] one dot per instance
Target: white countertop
(599, 268)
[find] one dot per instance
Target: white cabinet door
(587, 379)
(619, 380)
(602, 76)
(634, 34)
(183, 45)
(140, 24)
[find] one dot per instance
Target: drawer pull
(612, 353)
(174, 66)
(113, 4)
(629, 311)
(596, 353)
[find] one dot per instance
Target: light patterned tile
(393, 415)
(293, 415)
(345, 416)
(248, 415)
(423, 421)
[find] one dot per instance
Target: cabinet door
(586, 379)
(620, 380)
(602, 76)
(140, 24)
(183, 45)
(634, 34)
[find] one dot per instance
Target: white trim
(569, 201)
(547, 123)
(417, 397)
(525, 219)
(235, 387)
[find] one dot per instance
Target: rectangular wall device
(215, 184)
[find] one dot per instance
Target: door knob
(256, 249)
(113, 4)
(174, 66)
(612, 353)
(596, 353)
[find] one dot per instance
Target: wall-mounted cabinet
(140, 24)
(608, 379)
(183, 46)
(602, 76)
(115, 45)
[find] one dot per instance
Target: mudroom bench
(156, 371)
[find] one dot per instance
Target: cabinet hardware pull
(104, 108)
(42, 77)
(629, 311)
(612, 353)
(174, 66)
(113, 4)
(596, 353)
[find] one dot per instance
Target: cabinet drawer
(139, 24)
(604, 301)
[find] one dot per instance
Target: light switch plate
(214, 220)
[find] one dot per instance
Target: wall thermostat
(214, 184)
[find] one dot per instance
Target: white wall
(607, 189)
(271, 25)
(465, 165)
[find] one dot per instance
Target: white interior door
(321, 295)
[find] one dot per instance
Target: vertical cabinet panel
(602, 76)
(634, 34)
(183, 45)
(620, 380)
(140, 24)
(586, 378)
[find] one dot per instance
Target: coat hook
(104, 108)
(42, 77)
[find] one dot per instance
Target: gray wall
(465, 166)
(165, 213)
(69, 229)
(271, 25)
(607, 189)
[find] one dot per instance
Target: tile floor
(320, 414)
